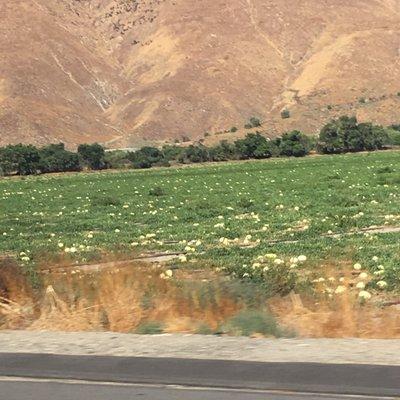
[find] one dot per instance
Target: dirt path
(341, 351)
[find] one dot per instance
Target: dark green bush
(146, 157)
(254, 145)
(19, 159)
(157, 191)
(93, 156)
(194, 154)
(347, 135)
(294, 144)
(54, 158)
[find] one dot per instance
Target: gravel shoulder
(333, 351)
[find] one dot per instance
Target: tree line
(340, 135)
(23, 159)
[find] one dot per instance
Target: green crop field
(219, 215)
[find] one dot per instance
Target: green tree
(92, 155)
(194, 154)
(334, 136)
(20, 159)
(54, 158)
(294, 144)
(254, 145)
(224, 151)
(146, 157)
(172, 152)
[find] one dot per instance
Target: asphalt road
(23, 389)
(55, 377)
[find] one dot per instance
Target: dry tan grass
(122, 299)
(118, 300)
(339, 318)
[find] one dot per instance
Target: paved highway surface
(55, 377)
(23, 389)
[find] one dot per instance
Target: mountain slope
(124, 71)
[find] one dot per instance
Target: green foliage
(117, 159)
(254, 122)
(19, 159)
(393, 133)
(105, 201)
(254, 145)
(233, 129)
(346, 135)
(269, 200)
(172, 152)
(224, 151)
(294, 144)
(204, 329)
(285, 114)
(54, 158)
(157, 191)
(146, 157)
(194, 154)
(92, 155)
(250, 322)
(150, 328)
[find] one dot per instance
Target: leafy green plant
(250, 322)
(150, 328)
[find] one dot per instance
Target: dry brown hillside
(123, 71)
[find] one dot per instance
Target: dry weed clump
(336, 318)
(16, 297)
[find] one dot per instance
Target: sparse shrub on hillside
(233, 129)
(254, 122)
(185, 139)
(285, 114)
